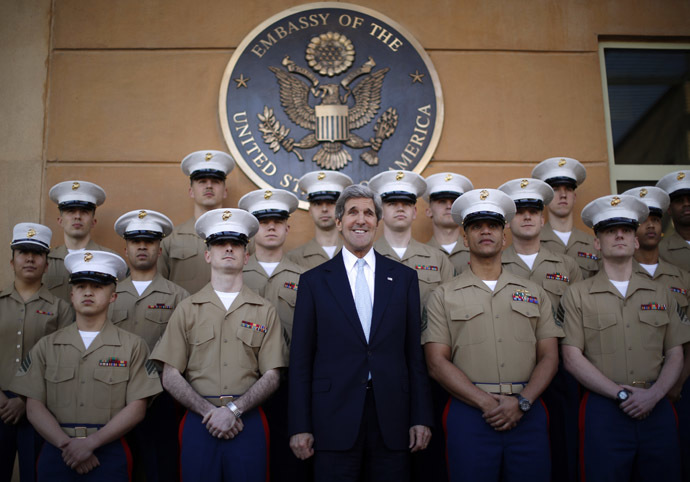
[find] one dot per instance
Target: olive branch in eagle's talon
(275, 134)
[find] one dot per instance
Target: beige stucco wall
(133, 87)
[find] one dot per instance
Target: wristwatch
(233, 408)
(523, 403)
(622, 396)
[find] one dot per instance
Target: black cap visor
(656, 212)
(141, 234)
(93, 276)
(207, 173)
(562, 181)
(223, 236)
(609, 223)
(439, 195)
(679, 193)
(483, 216)
(323, 196)
(394, 196)
(529, 203)
(29, 245)
(271, 213)
(77, 204)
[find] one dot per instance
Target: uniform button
(83, 382)
(631, 372)
(81, 404)
(19, 333)
(225, 341)
(629, 348)
(17, 360)
(502, 365)
(225, 364)
(225, 387)
(499, 340)
(19, 346)
(497, 317)
(627, 325)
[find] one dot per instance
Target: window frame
(631, 172)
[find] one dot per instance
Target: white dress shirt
(369, 268)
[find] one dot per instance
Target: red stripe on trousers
(581, 430)
(267, 433)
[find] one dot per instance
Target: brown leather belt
(502, 388)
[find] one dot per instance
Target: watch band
(233, 408)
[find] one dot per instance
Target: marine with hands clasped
(28, 311)
(676, 248)
(145, 301)
(87, 384)
(442, 190)
(528, 258)
(491, 341)
(182, 257)
(276, 278)
(564, 175)
(648, 263)
(322, 189)
(623, 342)
(77, 202)
(221, 356)
(399, 191)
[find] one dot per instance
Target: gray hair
(357, 191)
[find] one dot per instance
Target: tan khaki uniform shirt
(280, 288)
(311, 254)
(182, 258)
(675, 279)
(553, 272)
(219, 351)
(88, 386)
(492, 335)
(432, 266)
(676, 251)
(22, 324)
(624, 338)
(580, 247)
(146, 315)
(56, 277)
(460, 256)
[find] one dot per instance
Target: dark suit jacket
(330, 359)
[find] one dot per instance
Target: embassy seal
(329, 86)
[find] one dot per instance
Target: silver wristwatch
(233, 408)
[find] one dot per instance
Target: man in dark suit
(359, 393)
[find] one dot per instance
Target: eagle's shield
(332, 123)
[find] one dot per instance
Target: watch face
(623, 395)
(525, 405)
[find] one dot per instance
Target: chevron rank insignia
(151, 369)
(26, 364)
(560, 315)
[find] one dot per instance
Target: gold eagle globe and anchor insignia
(332, 121)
